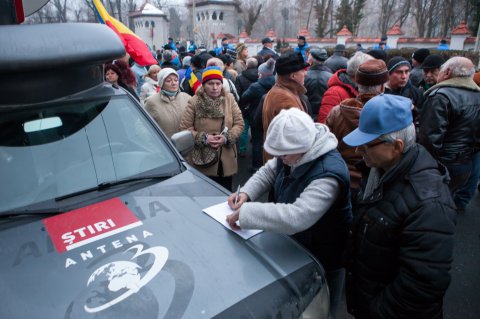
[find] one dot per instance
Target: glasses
(372, 145)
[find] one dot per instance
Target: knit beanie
(371, 73)
(212, 73)
(163, 74)
(291, 132)
(267, 68)
(187, 61)
(167, 56)
(396, 62)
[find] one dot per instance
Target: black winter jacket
(316, 83)
(245, 79)
(450, 120)
(401, 243)
(252, 96)
(409, 91)
(336, 62)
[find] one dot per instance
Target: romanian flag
(192, 80)
(134, 46)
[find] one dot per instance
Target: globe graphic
(118, 275)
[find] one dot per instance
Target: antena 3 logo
(89, 224)
(118, 280)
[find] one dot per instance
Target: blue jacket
(303, 50)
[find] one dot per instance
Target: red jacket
(337, 91)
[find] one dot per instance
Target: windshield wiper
(106, 185)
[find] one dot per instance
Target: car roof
(49, 61)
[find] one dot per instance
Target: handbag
(204, 155)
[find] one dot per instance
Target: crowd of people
(367, 160)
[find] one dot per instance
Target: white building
(150, 24)
(212, 17)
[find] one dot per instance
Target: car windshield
(60, 148)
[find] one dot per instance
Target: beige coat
(200, 123)
(166, 111)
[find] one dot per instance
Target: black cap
(289, 63)
(319, 54)
(224, 39)
(433, 61)
(420, 54)
(301, 37)
(340, 48)
(378, 54)
(267, 40)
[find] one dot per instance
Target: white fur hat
(291, 132)
(162, 75)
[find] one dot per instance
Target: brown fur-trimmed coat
(201, 119)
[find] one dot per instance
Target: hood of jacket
(267, 82)
(251, 74)
(325, 141)
(340, 78)
(461, 83)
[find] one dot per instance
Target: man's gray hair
(355, 61)
(252, 63)
(407, 135)
(460, 67)
(375, 89)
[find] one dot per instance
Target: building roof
(462, 28)
(344, 31)
(395, 30)
(147, 9)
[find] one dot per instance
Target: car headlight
(319, 308)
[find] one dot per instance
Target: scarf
(206, 107)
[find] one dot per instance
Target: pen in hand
(236, 195)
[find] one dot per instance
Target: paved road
(462, 300)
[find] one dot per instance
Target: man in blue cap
(404, 219)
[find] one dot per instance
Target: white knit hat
(291, 132)
(162, 75)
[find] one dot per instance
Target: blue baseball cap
(383, 114)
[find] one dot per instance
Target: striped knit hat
(212, 73)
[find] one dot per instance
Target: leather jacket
(450, 120)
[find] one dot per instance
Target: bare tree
(61, 10)
(387, 9)
(251, 11)
(424, 10)
(323, 9)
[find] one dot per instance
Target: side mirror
(183, 142)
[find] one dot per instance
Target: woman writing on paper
(216, 122)
(311, 190)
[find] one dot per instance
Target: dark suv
(100, 216)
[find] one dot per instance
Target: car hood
(150, 253)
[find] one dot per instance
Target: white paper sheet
(220, 211)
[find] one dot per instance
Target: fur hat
(396, 62)
(289, 63)
(371, 73)
(267, 68)
(291, 132)
(212, 73)
(163, 74)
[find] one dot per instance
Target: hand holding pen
(235, 201)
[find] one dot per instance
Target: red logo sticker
(88, 224)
